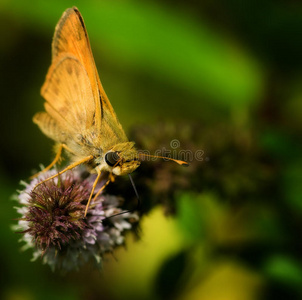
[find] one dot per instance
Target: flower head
(52, 221)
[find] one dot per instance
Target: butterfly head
(122, 159)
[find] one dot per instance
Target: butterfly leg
(56, 159)
(92, 191)
(85, 159)
(111, 179)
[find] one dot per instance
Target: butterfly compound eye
(111, 158)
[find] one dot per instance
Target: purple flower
(52, 221)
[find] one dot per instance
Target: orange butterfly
(79, 116)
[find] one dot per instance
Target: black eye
(111, 158)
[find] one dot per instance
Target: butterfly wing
(69, 96)
(49, 126)
(71, 38)
(76, 102)
(70, 106)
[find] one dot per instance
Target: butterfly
(78, 115)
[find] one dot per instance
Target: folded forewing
(71, 38)
(69, 97)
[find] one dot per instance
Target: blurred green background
(225, 78)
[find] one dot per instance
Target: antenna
(180, 162)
